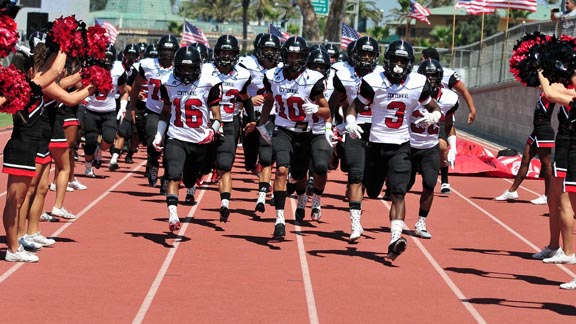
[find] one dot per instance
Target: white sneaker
(45, 217)
(357, 229)
(542, 200)
(40, 239)
(569, 285)
(507, 195)
(561, 258)
(20, 255)
(445, 188)
(89, 172)
(544, 254)
(76, 185)
(316, 209)
(421, 231)
(53, 187)
(62, 212)
(173, 219)
(27, 244)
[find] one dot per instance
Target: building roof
(138, 14)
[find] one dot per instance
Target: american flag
(349, 35)
(193, 34)
(111, 31)
(528, 5)
(474, 7)
(282, 35)
(418, 12)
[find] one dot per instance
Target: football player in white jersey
(299, 96)
(152, 70)
(323, 138)
(362, 61)
(393, 95)
(451, 80)
(256, 149)
(189, 98)
(130, 56)
(100, 118)
(425, 153)
(235, 82)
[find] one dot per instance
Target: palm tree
(336, 15)
(367, 10)
(442, 36)
(217, 10)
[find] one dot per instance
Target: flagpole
(505, 50)
(453, 35)
(408, 19)
(481, 38)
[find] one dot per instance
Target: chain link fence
(488, 63)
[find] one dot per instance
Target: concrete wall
(503, 114)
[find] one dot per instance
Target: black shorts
(226, 147)
(292, 149)
(179, 154)
(321, 154)
(427, 163)
(390, 163)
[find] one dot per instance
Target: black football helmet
(142, 46)
(167, 46)
(433, 70)
(319, 60)
(131, 54)
(333, 51)
(257, 41)
(365, 53)
(202, 49)
(226, 51)
(295, 45)
(110, 56)
(151, 51)
(398, 61)
(187, 64)
(268, 48)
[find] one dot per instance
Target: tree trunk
(310, 29)
(335, 17)
(245, 5)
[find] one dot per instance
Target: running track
(117, 262)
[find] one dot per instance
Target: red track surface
(117, 262)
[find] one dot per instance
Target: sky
(386, 5)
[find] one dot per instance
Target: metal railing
(488, 63)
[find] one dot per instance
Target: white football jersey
(153, 72)
(106, 102)
(392, 105)
(424, 138)
(233, 84)
(290, 95)
(318, 124)
(190, 106)
(351, 82)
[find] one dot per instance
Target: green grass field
(5, 120)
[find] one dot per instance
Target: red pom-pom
(8, 35)
(15, 88)
(98, 76)
(64, 33)
(97, 42)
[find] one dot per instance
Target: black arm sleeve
(365, 95)
(318, 89)
(249, 108)
(215, 95)
(338, 86)
(267, 85)
(425, 92)
(141, 72)
(164, 94)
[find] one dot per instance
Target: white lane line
(167, 261)
(308, 289)
(469, 307)
(18, 265)
(509, 229)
